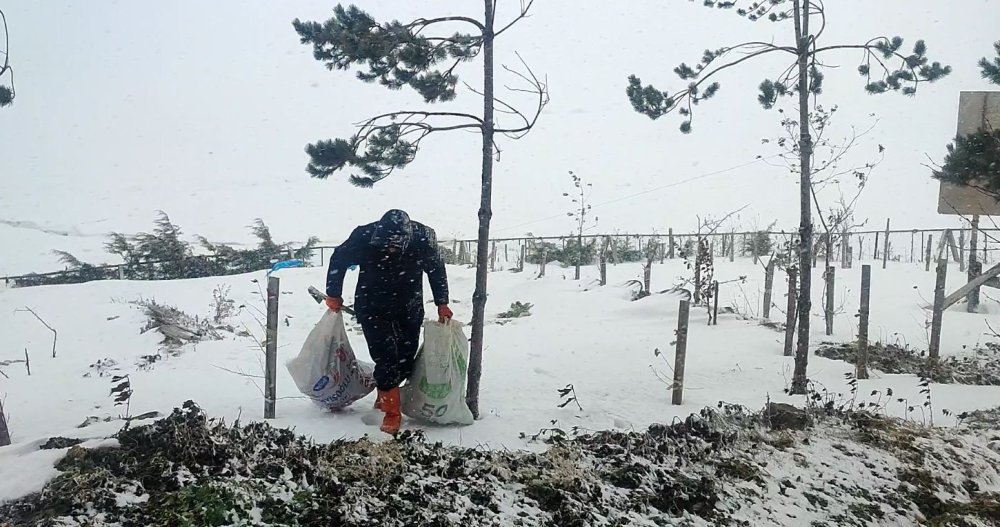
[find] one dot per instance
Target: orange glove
(334, 303)
(444, 313)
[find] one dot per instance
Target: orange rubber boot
(378, 401)
(393, 416)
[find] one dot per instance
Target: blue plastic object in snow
(286, 264)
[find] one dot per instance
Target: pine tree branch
(411, 113)
(422, 23)
(6, 46)
(525, 7)
(537, 88)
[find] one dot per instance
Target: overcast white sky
(202, 109)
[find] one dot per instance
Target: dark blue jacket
(389, 285)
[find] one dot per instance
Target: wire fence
(510, 253)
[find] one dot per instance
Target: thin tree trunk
(485, 214)
(4, 432)
(804, 307)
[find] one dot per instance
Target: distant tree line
(163, 255)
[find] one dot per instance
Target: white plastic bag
(435, 391)
(326, 369)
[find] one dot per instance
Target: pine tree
(6, 92)
(398, 55)
(885, 68)
(991, 70)
(973, 160)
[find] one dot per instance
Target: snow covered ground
(593, 337)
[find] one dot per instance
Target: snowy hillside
(594, 338)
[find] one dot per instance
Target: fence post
(861, 370)
(913, 237)
(975, 266)
(681, 354)
(927, 254)
(875, 253)
(790, 312)
(935, 345)
(961, 250)
(4, 432)
(830, 276)
(524, 256)
(670, 240)
(271, 347)
(845, 247)
(715, 303)
(697, 272)
(885, 248)
(768, 287)
(545, 257)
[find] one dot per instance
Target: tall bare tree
(580, 214)
(6, 92)
(883, 66)
(397, 54)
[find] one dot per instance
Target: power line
(647, 191)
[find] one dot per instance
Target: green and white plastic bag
(435, 391)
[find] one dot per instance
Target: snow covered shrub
(575, 254)
(758, 244)
(541, 250)
(517, 310)
(222, 306)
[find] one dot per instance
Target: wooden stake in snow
(715, 303)
(845, 249)
(4, 432)
(271, 347)
(679, 358)
(768, 287)
(913, 235)
(670, 240)
(885, 248)
(830, 270)
(961, 250)
(790, 313)
(975, 266)
(866, 285)
(927, 254)
(545, 257)
(603, 259)
(935, 345)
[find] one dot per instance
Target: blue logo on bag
(321, 383)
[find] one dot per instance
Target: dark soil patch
(979, 367)
(60, 442)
